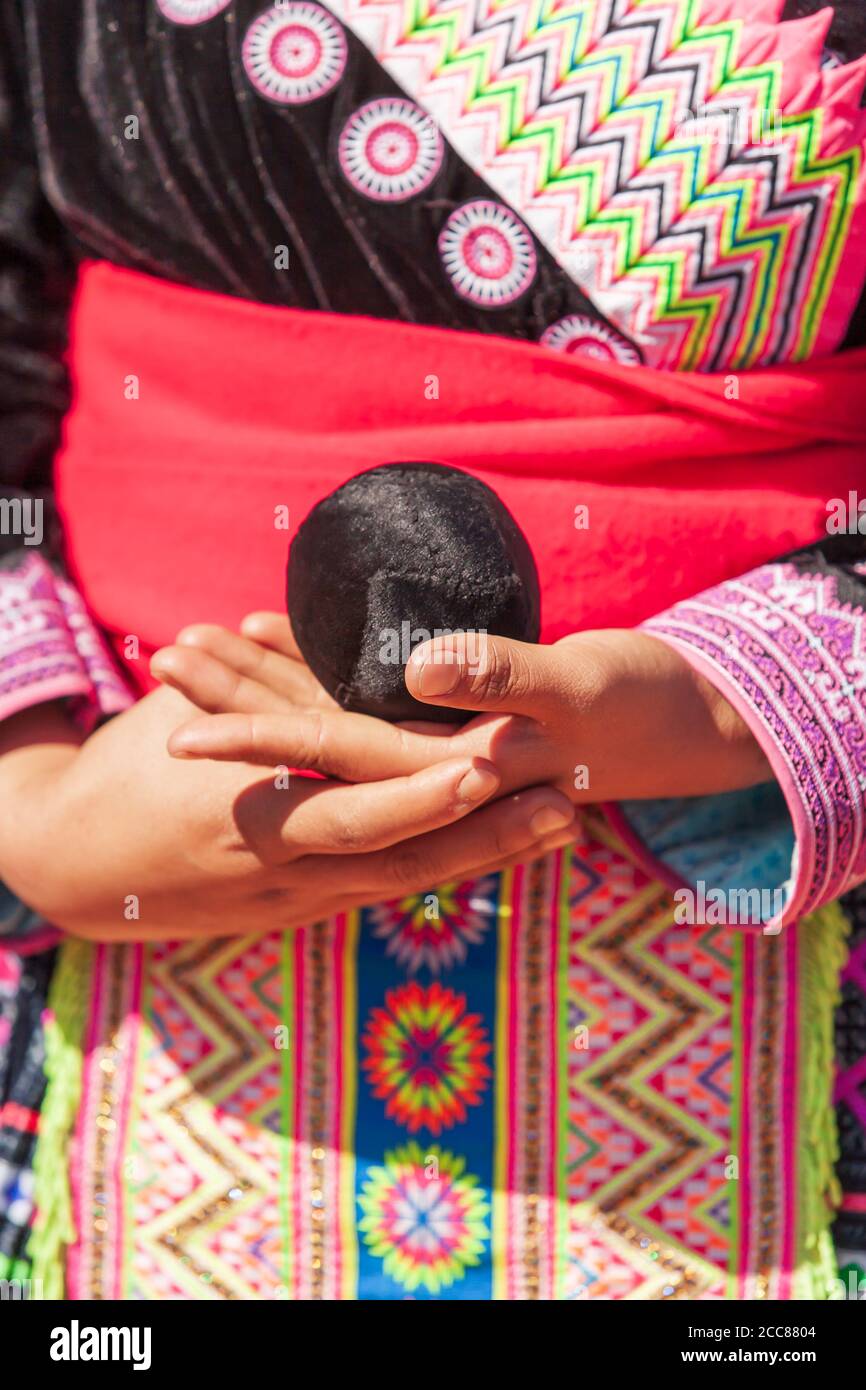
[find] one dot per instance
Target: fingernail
(477, 783)
(440, 676)
(549, 818)
(178, 746)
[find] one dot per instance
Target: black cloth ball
(390, 558)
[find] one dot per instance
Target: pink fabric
(790, 655)
(50, 648)
(174, 502)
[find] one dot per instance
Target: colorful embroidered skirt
(535, 1085)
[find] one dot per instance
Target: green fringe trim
(68, 1004)
(822, 952)
(15, 1271)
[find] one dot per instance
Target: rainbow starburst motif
(426, 1056)
(436, 929)
(424, 1216)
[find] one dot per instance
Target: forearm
(33, 744)
(36, 746)
(670, 731)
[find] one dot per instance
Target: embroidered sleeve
(49, 647)
(786, 645)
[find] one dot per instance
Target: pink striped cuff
(50, 648)
(790, 655)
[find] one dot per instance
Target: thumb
(472, 671)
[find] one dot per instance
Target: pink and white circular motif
(390, 150)
(580, 336)
(294, 53)
(191, 11)
(488, 254)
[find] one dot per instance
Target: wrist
(668, 731)
(32, 743)
(37, 746)
(717, 750)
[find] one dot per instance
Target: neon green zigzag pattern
(715, 252)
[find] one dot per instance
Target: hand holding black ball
(396, 555)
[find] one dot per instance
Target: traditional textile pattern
(788, 650)
(20, 925)
(850, 1228)
(590, 1102)
(651, 1044)
(240, 1046)
(424, 1217)
(23, 989)
(531, 1037)
(191, 11)
(587, 337)
(487, 253)
(390, 150)
(690, 165)
(438, 929)
(49, 647)
(294, 53)
(426, 1057)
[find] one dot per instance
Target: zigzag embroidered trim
(691, 166)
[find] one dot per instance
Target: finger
(494, 834)
(283, 675)
(211, 685)
(429, 726)
(538, 850)
(351, 747)
(342, 820)
(472, 671)
(272, 630)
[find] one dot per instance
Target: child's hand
(602, 715)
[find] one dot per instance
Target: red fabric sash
(197, 418)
